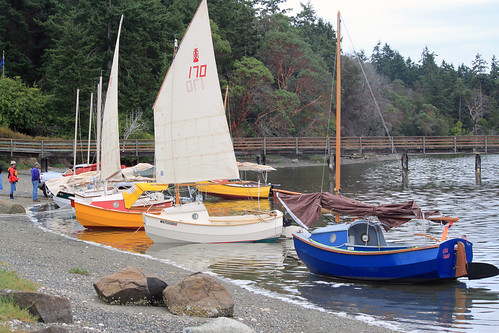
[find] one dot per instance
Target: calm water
(446, 183)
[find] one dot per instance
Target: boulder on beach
(130, 286)
(199, 295)
(48, 308)
(11, 207)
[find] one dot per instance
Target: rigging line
(368, 84)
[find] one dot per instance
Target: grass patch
(10, 310)
(8, 307)
(76, 270)
(10, 280)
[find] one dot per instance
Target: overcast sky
(454, 30)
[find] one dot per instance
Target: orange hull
(96, 217)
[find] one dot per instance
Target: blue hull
(390, 264)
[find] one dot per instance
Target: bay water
(448, 183)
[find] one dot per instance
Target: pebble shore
(45, 258)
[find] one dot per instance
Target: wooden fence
(277, 146)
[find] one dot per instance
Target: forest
(279, 70)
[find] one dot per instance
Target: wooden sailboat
(358, 250)
(192, 144)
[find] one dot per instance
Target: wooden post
(478, 163)
(405, 162)
(478, 169)
(136, 151)
(330, 162)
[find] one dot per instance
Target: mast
(76, 130)
(99, 121)
(90, 126)
(338, 110)
(338, 113)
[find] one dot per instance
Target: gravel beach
(46, 258)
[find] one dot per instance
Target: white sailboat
(192, 144)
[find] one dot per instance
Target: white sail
(110, 161)
(191, 133)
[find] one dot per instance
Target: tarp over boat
(249, 166)
(305, 208)
(137, 173)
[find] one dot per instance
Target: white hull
(190, 223)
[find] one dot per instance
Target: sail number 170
(196, 74)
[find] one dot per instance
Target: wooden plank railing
(277, 145)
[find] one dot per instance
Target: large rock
(130, 286)
(221, 325)
(11, 207)
(200, 295)
(49, 309)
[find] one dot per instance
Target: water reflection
(445, 182)
(133, 241)
(418, 306)
(245, 259)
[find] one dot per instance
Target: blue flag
(1, 62)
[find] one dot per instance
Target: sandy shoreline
(45, 257)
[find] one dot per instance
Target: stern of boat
(453, 257)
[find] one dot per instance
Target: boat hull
(191, 223)
(239, 190)
(91, 216)
(401, 265)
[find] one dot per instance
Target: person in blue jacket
(35, 179)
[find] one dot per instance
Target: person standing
(12, 178)
(35, 179)
(1, 185)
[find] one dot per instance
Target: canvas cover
(305, 208)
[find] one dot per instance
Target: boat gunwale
(335, 249)
(130, 211)
(213, 223)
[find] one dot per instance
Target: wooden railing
(278, 146)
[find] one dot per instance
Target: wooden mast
(338, 113)
(90, 127)
(76, 130)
